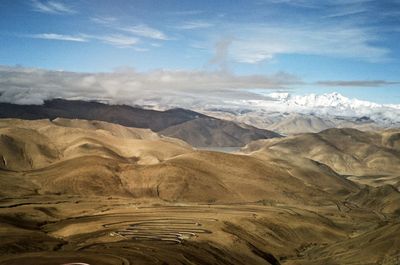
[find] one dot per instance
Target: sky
(197, 47)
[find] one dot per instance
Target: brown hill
(347, 151)
(110, 159)
(77, 191)
(384, 199)
(213, 132)
(192, 127)
(300, 123)
(22, 149)
(90, 110)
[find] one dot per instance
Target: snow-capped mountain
(287, 113)
(332, 104)
(334, 100)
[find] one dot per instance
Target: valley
(165, 132)
(92, 192)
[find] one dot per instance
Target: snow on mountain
(325, 100)
(331, 104)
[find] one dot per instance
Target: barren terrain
(89, 192)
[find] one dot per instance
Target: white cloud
(145, 31)
(140, 49)
(220, 57)
(345, 13)
(332, 28)
(104, 20)
(141, 30)
(260, 42)
(198, 90)
(120, 41)
(117, 40)
(51, 7)
(54, 36)
(188, 25)
(357, 83)
(183, 88)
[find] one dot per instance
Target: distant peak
(279, 95)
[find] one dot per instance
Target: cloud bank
(358, 83)
(127, 86)
(197, 90)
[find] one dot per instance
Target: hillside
(195, 128)
(289, 123)
(90, 110)
(117, 160)
(214, 132)
(367, 157)
(79, 191)
(297, 123)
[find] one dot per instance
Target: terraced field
(91, 193)
(112, 230)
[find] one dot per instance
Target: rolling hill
(214, 132)
(116, 160)
(297, 123)
(192, 127)
(92, 192)
(366, 157)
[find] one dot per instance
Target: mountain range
(92, 192)
(282, 113)
(291, 114)
(331, 104)
(366, 157)
(195, 128)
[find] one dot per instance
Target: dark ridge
(92, 110)
(193, 127)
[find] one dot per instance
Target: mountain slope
(291, 114)
(297, 123)
(120, 114)
(213, 132)
(114, 160)
(347, 151)
(195, 128)
(93, 192)
(325, 104)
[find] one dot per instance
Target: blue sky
(349, 46)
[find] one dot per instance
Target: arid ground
(87, 192)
